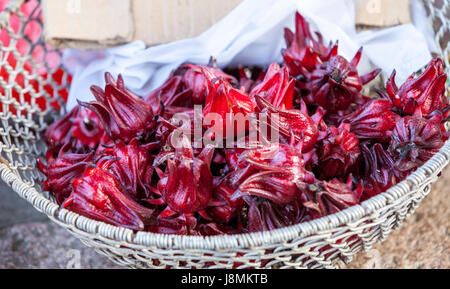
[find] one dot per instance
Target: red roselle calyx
(60, 132)
(291, 122)
(380, 172)
(265, 216)
(123, 114)
(339, 151)
(198, 78)
(422, 95)
(277, 186)
(336, 84)
(222, 208)
(274, 157)
(88, 128)
(133, 166)
(100, 195)
(322, 145)
(326, 78)
(62, 171)
(304, 52)
(277, 87)
(187, 86)
(79, 131)
(415, 140)
(278, 171)
(324, 198)
(171, 222)
(374, 120)
(224, 100)
(189, 180)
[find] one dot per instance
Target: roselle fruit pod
(277, 87)
(225, 208)
(338, 152)
(235, 178)
(264, 215)
(189, 182)
(99, 195)
(423, 94)
(280, 187)
(88, 129)
(336, 84)
(78, 132)
(198, 78)
(133, 166)
(290, 122)
(167, 94)
(164, 129)
(282, 168)
(381, 173)
(329, 197)
(374, 120)
(277, 157)
(171, 222)
(415, 140)
(59, 133)
(186, 87)
(303, 51)
(62, 171)
(233, 154)
(232, 157)
(336, 196)
(223, 98)
(124, 115)
(214, 229)
(194, 79)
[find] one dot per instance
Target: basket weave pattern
(320, 243)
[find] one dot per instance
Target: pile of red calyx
(114, 160)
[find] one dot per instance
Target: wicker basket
(321, 243)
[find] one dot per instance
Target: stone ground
(29, 240)
(424, 239)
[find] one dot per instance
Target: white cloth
(252, 34)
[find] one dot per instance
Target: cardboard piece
(90, 24)
(380, 13)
